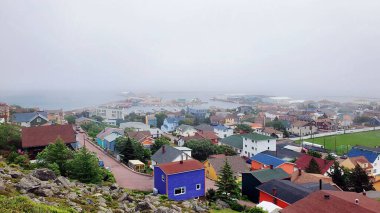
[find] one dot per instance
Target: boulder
(102, 202)
(43, 192)
(186, 204)
(15, 174)
(72, 196)
(178, 209)
(145, 206)
(44, 174)
(221, 204)
(162, 209)
(63, 182)
(114, 186)
(2, 185)
(198, 208)
(125, 197)
(28, 183)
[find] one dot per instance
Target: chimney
(327, 197)
(274, 192)
(299, 172)
(320, 184)
(271, 166)
(357, 201)
(163, 149)
(181, 162)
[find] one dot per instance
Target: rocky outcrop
(44, 174)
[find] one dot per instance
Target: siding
(266, 197)
(158, 183)
(188, 180)
(287, 167)
(210, 171)
(249, 184)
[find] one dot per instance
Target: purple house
(181, 180)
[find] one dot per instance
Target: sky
(285, 48)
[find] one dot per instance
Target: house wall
(223, 134)
(158, 183)
(287, 167)
(302, 131)
(210, 171)
(347, 164)
(376, 166)
(256, 165)
(266, 197)
(35, 121)
(189, 180)
(249, 184)
(251, 148)
(100, 143)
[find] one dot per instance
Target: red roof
(208, 135)
(338, 201)
(45, 135)
(304, 161)
(178, 167)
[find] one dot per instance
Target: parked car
(343, 157)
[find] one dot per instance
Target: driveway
(124, 177)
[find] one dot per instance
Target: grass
(344, 142)
(24, 204)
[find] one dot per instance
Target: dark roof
(265, 175)
(169, 155)
(267, 160)
(27, 116)
(304, 161)
(286, 190)
(204, 127)
(237, 163)
(370, 153)
(178, 167)
(234, 141)
(283, 153)
(315, 186)
(257, 137)
(45, 135)
(139, 135)
(338, 202)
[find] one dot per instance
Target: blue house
(110, 141)
(100, 138)
(181, 180)
(372, 155)
(170, 124)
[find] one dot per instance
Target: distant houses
(325, 166)
(181, 180)
(104, 142)
(29, 119)
(214, 165)
(263, 161)
(170, 124)
(302, 128)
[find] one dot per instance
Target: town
(263, 154)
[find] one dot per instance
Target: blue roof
(221, 127)
(370, 153)
(172, 120)
(267, 159)
(27, 116)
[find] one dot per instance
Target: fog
(292, 48)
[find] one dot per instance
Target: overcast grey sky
(287, 47)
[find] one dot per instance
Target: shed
(136, 165)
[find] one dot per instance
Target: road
(124, 177)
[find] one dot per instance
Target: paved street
(124, 177)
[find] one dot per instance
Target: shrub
(236, 206)
(163, 197)
(211, 195)
(55, 168)
(11, 157)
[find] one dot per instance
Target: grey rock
(162, 209)
(63, 182)
(72, 196)
(186, 204)
(144, 206)
(114, 186)
(43, 192)
(178, 209)
(221, 204)
(118, 211)
(28, 183)
(102, 202)
(90, 202)
(44, 174)
(15, 174)
(2, 185)
(198, 208)
(125, 197)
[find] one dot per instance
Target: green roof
(234, 141)
(266, 175)
(257, 137)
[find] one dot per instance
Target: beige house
(350, 163)
(302, 128)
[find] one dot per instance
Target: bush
(236, 206)
(55, 168)
(211, 195)
(22, 160)
(163, 197)
(11, 157)
(108, 176)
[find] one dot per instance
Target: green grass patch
(344, 142)
(24, 204)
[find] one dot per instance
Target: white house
(372, 155)
(223, 131)
(255, 143)
(302, 128)
(29, 119)
(167, 154)
(185, 130)
(109, 113)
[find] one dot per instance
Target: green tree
(57, 153)
(228, 188)
(133, 117)
(131, 150)
(158, 143)
(313, 167)
(256, 210)
(339, 177)
(85, 168)
(160, 119)
(243, 128)
(359, 180)
(226, 150)
(10, 137)
(70, 119)
(211, 195)
(330, 157)
(200, 149)
(97, 118)
(314, 154)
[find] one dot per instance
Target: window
(163, 178)
(179, 191)
(268, 141)
(38, 120)
(268, 147)
(198, 187)
(246, 145)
